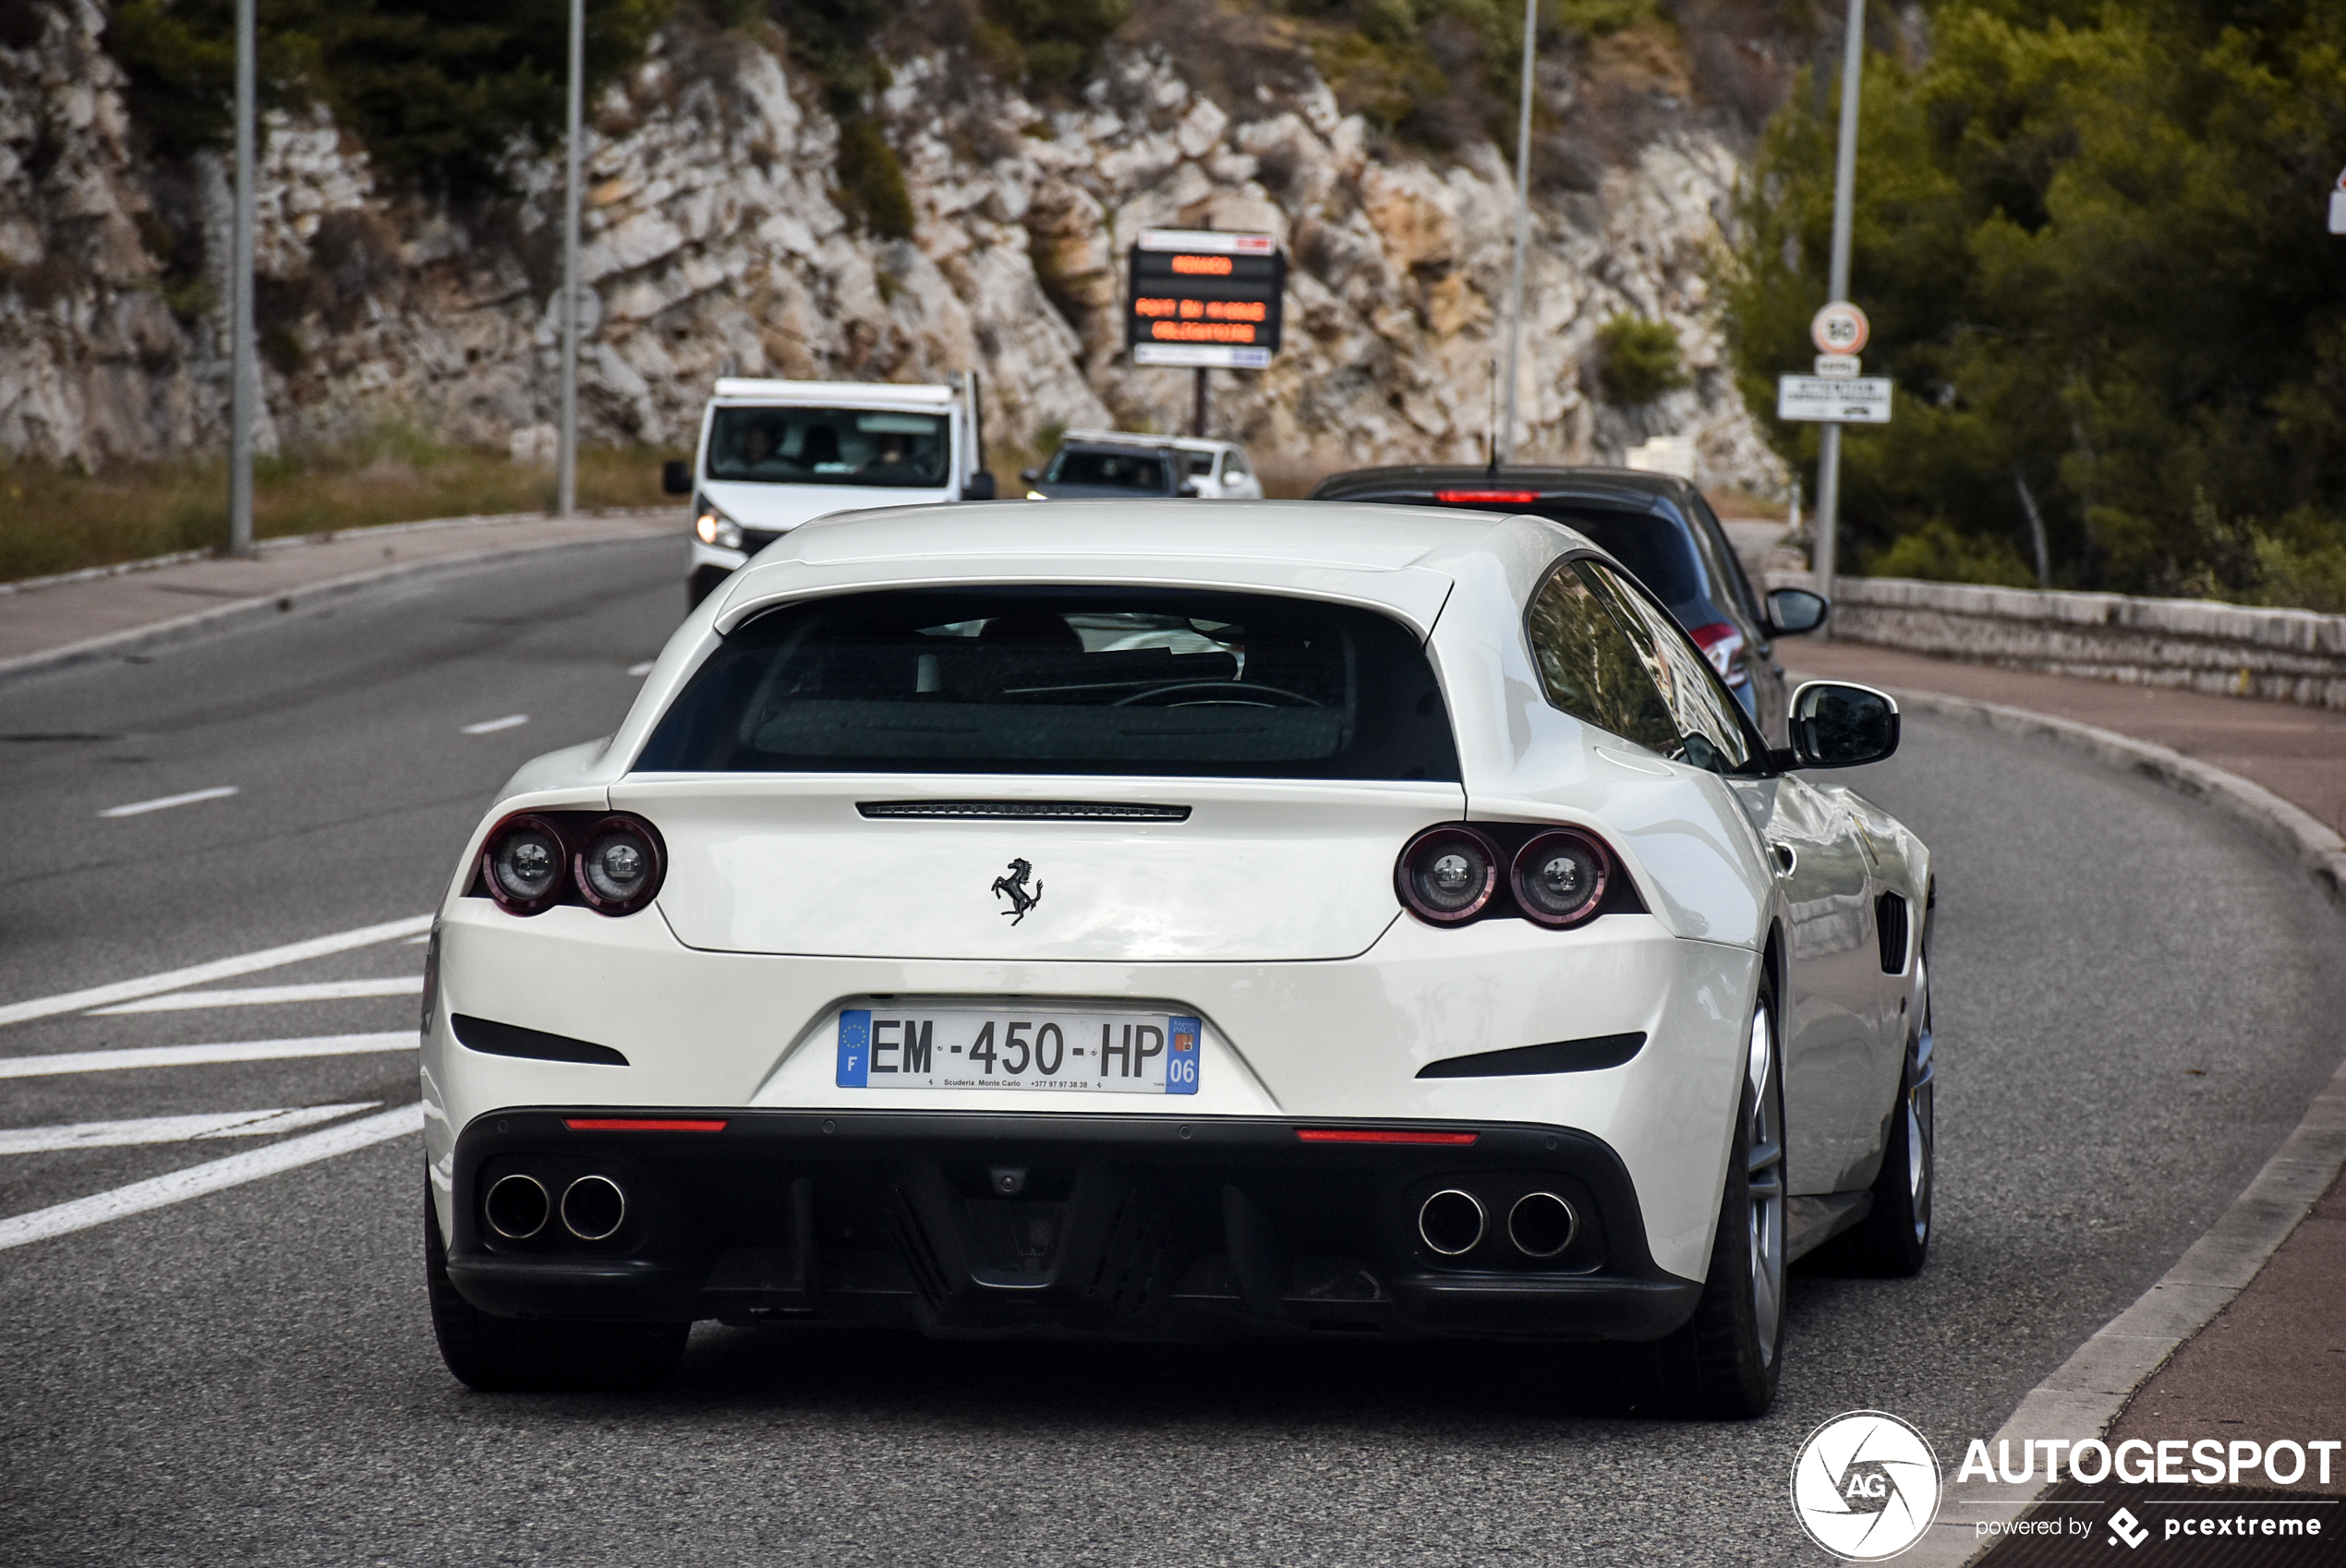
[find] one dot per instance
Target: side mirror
(980, 487)
(1793, 610)
(677, 478)
(1031, 475)
(1233, 480)
(1835, 725)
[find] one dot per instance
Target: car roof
(1138, 438)
(1635, 488)
(1404, 559)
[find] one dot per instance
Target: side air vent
(1890, 925)
(1025, 810)
(512, 1040)
(1523, 1061)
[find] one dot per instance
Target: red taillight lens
(1720, 644)
(619, 865)
(642, 1124)
(1380, 1135)
(1559, 878)
(1486, 497)
(526, 865)
(1446, 874)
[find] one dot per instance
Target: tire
(1724, 1364)
(504, 1354)
(1893, 1240)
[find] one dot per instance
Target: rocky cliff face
(715, 242)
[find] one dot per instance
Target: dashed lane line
(490, 726)
(165, 802)
(219, 969)
(197, 1056)
(61, 1219)
(170, 1130)
(257, 996)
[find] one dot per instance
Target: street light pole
(1825, 557)
(243, 374)
(1522, 226)
(566, 460)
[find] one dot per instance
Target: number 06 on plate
(969, 1048)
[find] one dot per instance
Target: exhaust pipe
(517, 1207)
(1452, 1222)
(594, 1207)
(1542, 1224)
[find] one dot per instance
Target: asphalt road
(2133, 1004)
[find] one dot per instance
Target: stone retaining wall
(2231, 650)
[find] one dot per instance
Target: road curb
(2086, 1393)
(221, 617)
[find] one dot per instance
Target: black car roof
(1633, 486)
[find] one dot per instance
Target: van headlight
(714, 527)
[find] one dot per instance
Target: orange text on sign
(1202, 266)
(1200, 331)
(1207, 310)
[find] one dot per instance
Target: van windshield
(829, 446)
(1063, 679)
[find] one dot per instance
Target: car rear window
(1655, 547)
(1143, 472)
(1063, 679)
(828, 446)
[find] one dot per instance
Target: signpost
(1205, 299)
(1847, 400)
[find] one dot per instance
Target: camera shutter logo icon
(1866, 1486)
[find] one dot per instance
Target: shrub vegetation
(2089, 234)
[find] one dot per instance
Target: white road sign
(1864, 401)
(1840, 328)
(1840, 367)
(2338, 206)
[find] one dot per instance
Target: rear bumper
(1121, 1226)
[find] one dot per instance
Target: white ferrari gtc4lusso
(1125, 921)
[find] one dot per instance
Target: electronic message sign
(1204, 299)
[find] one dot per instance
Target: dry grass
(56, 519)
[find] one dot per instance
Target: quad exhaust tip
(594, 1207)
(517, 1207)
(1542, 1224)
(1452, 1222)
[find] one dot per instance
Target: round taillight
(524, 864)
(1446, 874)
(619, 865)
(1559, 877)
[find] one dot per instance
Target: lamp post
(566, 459)
(1825, 557)
(1523, 226)
(243, 374)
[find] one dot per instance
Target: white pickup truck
(774, 454)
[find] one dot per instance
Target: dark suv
(1657, 525)
(1110, 470)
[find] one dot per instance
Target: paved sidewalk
(2273, 1362)
(47, 618)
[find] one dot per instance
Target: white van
(774, 454)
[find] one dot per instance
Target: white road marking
(165, 802)
(170, 1130)
(256, 995)
(219, 969)
(490, 726)
(251, 1165)
(642, 669)
(199, 1056)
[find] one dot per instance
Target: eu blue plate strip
(854, 1048)
(1180, 1066)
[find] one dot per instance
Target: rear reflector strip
(1486, 497)
(639, 1124)
(1379, 1135)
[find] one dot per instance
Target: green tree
(437, 90)
(1638, 360)
(2090, 239)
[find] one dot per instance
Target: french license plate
(958, 1048)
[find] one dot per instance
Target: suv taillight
(1721, 643)
(613, 864)
(1446, 874)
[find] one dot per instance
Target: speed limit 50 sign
(1840, 328)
